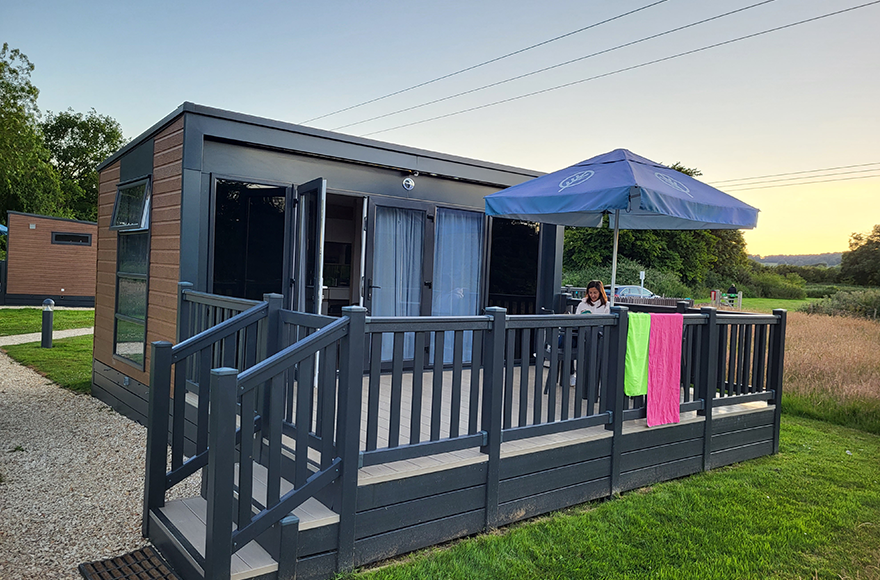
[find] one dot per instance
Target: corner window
(132, 266)
(132, 208)
(71, 239)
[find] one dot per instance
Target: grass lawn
(68, 362)
(812, 511)
(27, 320)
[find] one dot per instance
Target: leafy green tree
(27, 180)
(78, 143)
(861, 264)
(689, 254)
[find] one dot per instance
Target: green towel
(635, 377)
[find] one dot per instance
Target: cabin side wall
(115, 381)
(40, 268)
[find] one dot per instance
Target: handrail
(377, 324)
(219, 301)
(305, 319)
(279, 362)
(194, 344)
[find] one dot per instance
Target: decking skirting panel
(550, 501)
(742, 436)
(131, 400)
(541, 482)
(379, 495)
(405, 540)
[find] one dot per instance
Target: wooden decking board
(312, 513)
(189, 516)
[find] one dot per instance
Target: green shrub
(657, 281)
(770, 285)
(859, 303)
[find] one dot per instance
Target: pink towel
(664, 368)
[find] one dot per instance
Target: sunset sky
(760, 116)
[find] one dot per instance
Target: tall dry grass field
(832, 369)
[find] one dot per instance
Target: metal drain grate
(144, 564)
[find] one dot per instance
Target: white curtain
(397, 269)
(458, 247)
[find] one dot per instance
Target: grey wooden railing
(310, 399)
(216, 330)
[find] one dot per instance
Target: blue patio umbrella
(636, 193)
(3, 230)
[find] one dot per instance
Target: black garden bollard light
(48, 315)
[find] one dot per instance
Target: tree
(27, 180)
(861, 263)
(690, 254)
(78, 143)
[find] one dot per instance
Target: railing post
(220, 474)
(708, 378)
(681, 306)
(273, 323)
(775, 376)
(157, 430)
(184, 312)
(493, 393)
(614, 388)
(287, 557)
(348, 428)
(271, 346)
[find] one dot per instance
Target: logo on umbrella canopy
(574, 179)
(673, 183)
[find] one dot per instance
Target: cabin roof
(344, 147)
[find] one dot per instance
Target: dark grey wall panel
(642, 458)
(742, 437)
(317, 540)
(405, 489)
(262, 164)
(107, 397)
(552, 479)
(408, 539)
(420, 511)
(663, 472)
(536, 462)
(738, 421)
(661, 436)
(737, 454)
(138, 162)
(60, 300)
(318, 567)
(535, 505)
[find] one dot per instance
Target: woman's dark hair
(597, 284)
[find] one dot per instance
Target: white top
(594, 307)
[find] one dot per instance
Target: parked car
(630, 291)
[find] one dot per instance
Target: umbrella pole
(614, 255)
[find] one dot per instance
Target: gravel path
(72, 478)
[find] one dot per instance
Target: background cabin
(242, 206)
(49, 257)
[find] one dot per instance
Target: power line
(490, 61)
(804, 183)
(555, 66)
(797, 172)
(765, 181)
(625, 69)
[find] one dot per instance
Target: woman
(595, 302)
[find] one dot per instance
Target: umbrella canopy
(3, 230)
(636, 193)
(648, 195)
